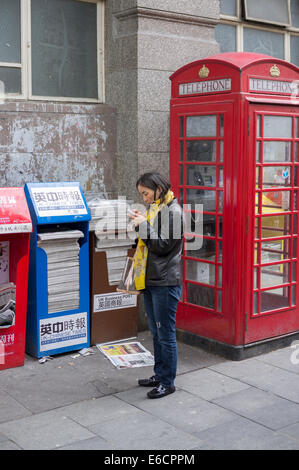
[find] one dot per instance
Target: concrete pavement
(85, 403)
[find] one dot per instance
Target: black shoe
(151, 382)
(161, 391)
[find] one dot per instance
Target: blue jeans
(160, 305)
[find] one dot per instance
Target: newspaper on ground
(127, 355)
(7, 304)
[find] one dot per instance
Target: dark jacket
(164, 240)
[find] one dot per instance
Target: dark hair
(154, 181)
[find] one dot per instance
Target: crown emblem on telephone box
(274, 71)
(204, 72)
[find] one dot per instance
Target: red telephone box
(234, 161)
(15, 229)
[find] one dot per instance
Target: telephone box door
(201, 141)
(272, 245)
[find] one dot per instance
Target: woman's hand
(137, 217)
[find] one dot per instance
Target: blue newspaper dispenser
(57, 207)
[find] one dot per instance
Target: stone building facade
(106, 145)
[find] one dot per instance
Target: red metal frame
(285, 319)
(235, 323)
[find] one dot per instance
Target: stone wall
(146, 41)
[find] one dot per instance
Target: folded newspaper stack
(112, 227)
(116, 254)
(62, 250)
(7, 304)
(107, 215)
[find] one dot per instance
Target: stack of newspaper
(107, 215)
(116, 254)
(7, 304)
(62, 250)
(112, 227)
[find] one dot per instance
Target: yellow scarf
(140, 258)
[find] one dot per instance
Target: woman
(158, 275)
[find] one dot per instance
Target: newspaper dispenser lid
(14, 212)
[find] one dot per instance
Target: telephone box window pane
(257, 179)
(207, 251)
(295, 13)
(296, 152)
(275, 201)
(201, 295)
(221, 151)
(225, 35)
(209, 225)
(201, 126)
(295, 248)
(295, 50)
(221, 125)
(200, 272)
(181, 197)
(194, 223)
(278, 126)
(181, 127)
(256, 284)
(258, 151)
(220, 201)
(181, 151)
(294, 275)
(276, 226)
(271, 11)
(277, 151)
(275, 250)
(64, 48)
(10, 31)
(219, 280)
(256, 227)
(263, 42)
(181, 175)
(275, 275)
(228, 7)
(220, 227)
(198, 175)
(204, 197)
(11, 77)
(220, 176)
(220, 252)
(201, 150)
(296, 128)
(274, 299)
(255, 303)
(278, 176)
(258, 126)
(294, 295)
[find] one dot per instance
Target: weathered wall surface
(42, 142)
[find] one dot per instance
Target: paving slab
(240, 434)
(286, 358)
(181, 409)
(44, 431)
(10, 408)
(97, 411)
(41, 393)
(209, 384)
(261, 407)
(144, 431)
